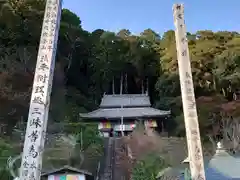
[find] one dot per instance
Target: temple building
(118, 114)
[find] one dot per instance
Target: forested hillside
(88, 61)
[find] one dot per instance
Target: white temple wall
(106, 134)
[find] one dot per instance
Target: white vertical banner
(51, 177)
(188, 97)
(31, 164)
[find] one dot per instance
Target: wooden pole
(31, 164)
(188, 97)
(126, 83)
(121, 84)
(113, 86)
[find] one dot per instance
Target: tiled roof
(125, 112)
(228, 165)
(222, 166)
(125, 100)
(67, 168)
(213, 174)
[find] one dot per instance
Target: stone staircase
(118, 170)
(107, 172)
(111, 167)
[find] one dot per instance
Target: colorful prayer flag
(72, 177)
(63, 177)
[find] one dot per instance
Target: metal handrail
(98, 170)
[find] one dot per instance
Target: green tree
(148, 167)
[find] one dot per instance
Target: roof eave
(125, 106)
(87, 116)
(66, 168)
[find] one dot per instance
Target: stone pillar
(31, 164)
(188, 97)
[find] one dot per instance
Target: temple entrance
(111, 134)
(120, 134)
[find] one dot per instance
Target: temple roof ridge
(127, 95)
(125, 100)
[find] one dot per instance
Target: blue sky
(137, 15)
